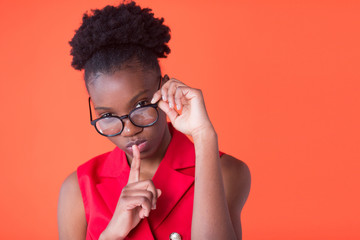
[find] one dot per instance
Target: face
(121, 92)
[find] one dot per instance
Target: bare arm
(237, 180)
(216, 211)
(71, 213)
(211, 217)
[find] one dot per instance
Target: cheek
(116, 140)
(161, 126)
(162, 117)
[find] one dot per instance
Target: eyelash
(105, 115)
(141, 103)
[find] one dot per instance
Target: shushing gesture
(136, 201)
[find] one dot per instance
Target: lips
(137, 142)
(140, 143)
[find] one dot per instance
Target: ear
(165, 79)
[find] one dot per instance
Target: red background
(281, 84)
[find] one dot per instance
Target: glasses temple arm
(90, 110)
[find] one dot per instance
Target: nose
(130, 129)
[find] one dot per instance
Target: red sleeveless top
(102, 178)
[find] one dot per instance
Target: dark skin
(104, 91)
(221, 184)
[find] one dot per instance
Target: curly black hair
(110, 38)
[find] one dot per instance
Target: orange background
(281, 84)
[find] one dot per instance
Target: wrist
(105, 235)
(206, 132)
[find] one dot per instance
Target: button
(175, 236)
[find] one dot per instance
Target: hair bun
(126, 24)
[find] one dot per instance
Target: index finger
(158, 95)
(134, 175)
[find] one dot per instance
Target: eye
(104, 115)
(141, 104)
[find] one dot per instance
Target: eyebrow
(132, 100)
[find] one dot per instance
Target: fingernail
(163, 97)
(153, 207)
(171, 105)
(152, 101)
(178, 106)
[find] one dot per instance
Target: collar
(173, 183)
(117, 165)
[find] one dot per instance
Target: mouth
(140, 143)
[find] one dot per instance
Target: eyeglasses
(110, 125)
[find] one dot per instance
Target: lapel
(114, 174)
(173, 184)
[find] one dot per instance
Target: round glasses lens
(144, 116)
(109, 125)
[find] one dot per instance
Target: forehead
(121, 86)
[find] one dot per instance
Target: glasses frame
(94, 121)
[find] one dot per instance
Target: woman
(148, 187)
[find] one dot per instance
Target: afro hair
(109, 37)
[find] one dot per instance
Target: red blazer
(102, 178)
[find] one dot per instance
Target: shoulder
(237, 181)
(70, 186)
(71, 212)
(94, 165)
(70, 183)
(109, 164)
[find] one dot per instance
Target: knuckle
(150, 182)
(171, 87)
(124, 197)
(163, 90)
(147, 182)
(198, 91)
(144, 200)
(124, 189)
(178, 92)
(149, 194)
